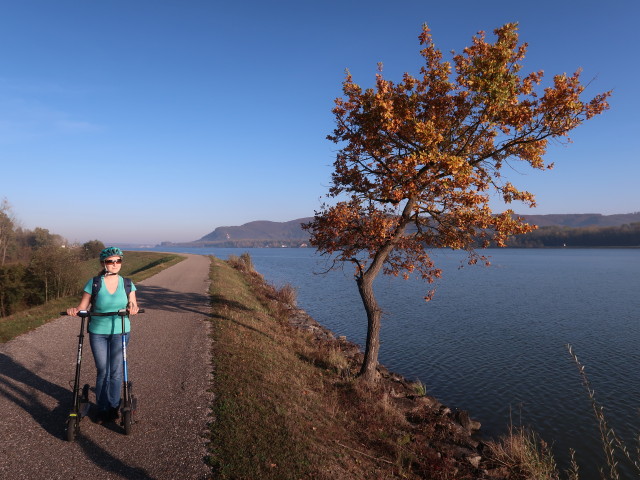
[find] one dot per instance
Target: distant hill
(265, 233)
(261, 233)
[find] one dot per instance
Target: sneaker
(100, 417)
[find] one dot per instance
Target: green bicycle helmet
(110, 252)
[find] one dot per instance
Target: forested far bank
(627, 235)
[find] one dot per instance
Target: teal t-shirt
(108, 302)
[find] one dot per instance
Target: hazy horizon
(125, 243)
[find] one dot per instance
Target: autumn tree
(92, 249)
(56, 271)
(41, 237)
(12, 288)
(419, 161)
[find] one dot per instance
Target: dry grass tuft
(328, 357)
(280, 301)
(243, 263)
(286, 294)
(524, 455)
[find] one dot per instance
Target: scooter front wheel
(72, 428)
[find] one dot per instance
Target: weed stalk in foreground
(611, 443)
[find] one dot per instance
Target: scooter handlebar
(85, 313)
(108, 314)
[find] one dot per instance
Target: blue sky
(149, 121)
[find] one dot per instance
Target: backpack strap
(127, 287)
(95, 288)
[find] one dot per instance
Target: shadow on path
(164, 299)
(104, 460)
(17, 384)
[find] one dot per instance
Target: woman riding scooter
(111, 294)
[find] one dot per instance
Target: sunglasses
(113, 262)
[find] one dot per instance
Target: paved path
(169, 357)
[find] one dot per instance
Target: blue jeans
(107, 354)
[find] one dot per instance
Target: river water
(493, 339)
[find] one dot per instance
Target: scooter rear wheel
(72, 428)
(127, 422)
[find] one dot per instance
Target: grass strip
(137, 266)
(252, 435)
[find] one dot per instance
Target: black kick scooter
(80, 406)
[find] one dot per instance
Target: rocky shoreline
(449, 435)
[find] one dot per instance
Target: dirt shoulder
(169, 357)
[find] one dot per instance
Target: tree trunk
(368, 371)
